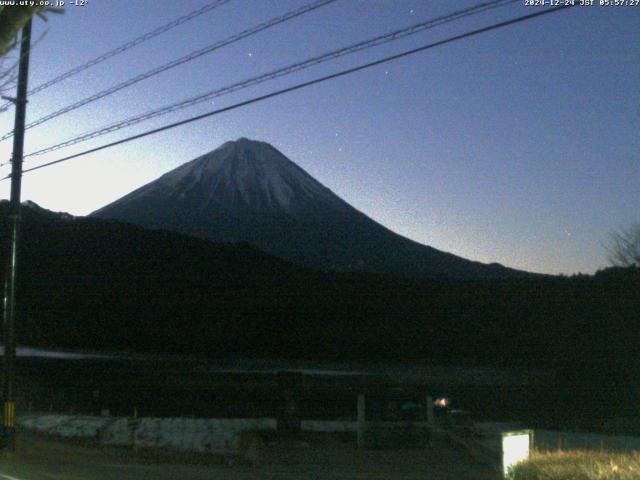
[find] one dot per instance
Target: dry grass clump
(579, 465)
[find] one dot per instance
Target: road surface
(40, 458)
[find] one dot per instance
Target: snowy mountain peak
(242, 175)
(248, 191)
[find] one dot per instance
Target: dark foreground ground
(326, 457)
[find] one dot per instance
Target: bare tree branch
(624, 247)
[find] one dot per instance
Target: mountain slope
(249, 191)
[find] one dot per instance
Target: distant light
(441, 402)
(515, 448)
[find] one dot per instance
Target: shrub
(579, 465)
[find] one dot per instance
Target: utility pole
(8, 418)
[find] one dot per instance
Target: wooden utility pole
(8, 420)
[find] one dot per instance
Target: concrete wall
(180, 434)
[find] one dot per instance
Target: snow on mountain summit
(240, 175)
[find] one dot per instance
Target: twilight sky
(519, 146)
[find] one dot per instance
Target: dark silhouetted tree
(12, 19)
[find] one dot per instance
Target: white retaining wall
(213, 435)
(181, 434)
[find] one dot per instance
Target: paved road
(46, 459)
(115, 472)
(313, 471)
(177, 472)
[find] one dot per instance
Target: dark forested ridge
(92, 284)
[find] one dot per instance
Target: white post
(516, 447)
(361, 420)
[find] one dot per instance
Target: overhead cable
(124, 47)
(303, 85)
(187, 58)
(373, 42)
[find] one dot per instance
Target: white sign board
(515, 448)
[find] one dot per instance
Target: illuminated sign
(515, 448)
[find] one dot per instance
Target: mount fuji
(248, 191)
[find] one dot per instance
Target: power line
(124, 47)
(304, 85)
(187, 58)
(366, 44)
(9, 75)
